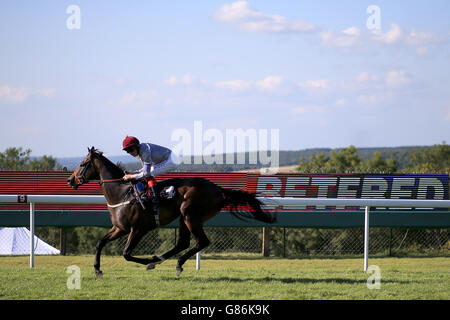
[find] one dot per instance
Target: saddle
(142, 193)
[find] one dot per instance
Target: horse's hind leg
(182, 244)
(133, 239)
(201, 242)
(112, 234)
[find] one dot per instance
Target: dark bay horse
(195, 201)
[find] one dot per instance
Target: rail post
(197, 260)
(31, 234)
(366, 238)
(266, 242)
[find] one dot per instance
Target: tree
(316, 164)
(45, 163)
(347, 160)
(15, 159)
(435, 159)
(344, 160)
(379, 165)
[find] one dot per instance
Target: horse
(195, 201)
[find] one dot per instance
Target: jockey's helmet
(129, 141)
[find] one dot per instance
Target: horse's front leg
(112, 234)
(133, 239)
(182, 244)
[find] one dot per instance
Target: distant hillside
(286, 159)
(72, 162)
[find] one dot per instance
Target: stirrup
(168, 192)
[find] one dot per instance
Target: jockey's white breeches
(165, 166)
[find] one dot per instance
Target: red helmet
(129, 141)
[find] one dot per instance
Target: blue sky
(313, 70)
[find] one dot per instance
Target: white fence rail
(271, 202)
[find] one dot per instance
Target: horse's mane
(116, 167)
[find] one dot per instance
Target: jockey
(155, 160)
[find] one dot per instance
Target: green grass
(242, 277)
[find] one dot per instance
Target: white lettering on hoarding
(291, 190)
(350, 187)
(324, 184)
(344, 190)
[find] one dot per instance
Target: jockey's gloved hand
(128, 177)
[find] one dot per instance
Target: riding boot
(151, 182)
(155, 199)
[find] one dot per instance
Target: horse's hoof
(151, 266)
(179, 271)
(98, 273)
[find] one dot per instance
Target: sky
(75, 74)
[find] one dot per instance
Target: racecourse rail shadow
(295, 280)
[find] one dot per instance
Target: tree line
(18, 159)
(433, 159)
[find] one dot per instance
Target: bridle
(80, 179)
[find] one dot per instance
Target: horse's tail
(235, 198)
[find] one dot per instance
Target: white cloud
(421, 38)
(393, 35)
(20, 95)
(353, 37)
(393, 79)
(365, 77)
(250, 20)
(237, 85)
(396, 79)
(137, 97)
(269, 83)
(171, 81)
(364, 80)
(185, 79)
(349, 37)
(315, 84)
(422, 51)
(352, 31)
(307, 109)
(236, 11)
(341, 102)
(371, 99)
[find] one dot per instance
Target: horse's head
(85, 172)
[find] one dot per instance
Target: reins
(77, 180)
(108, 180)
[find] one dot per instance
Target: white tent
(16, 241)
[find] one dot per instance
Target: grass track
(243, 277)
